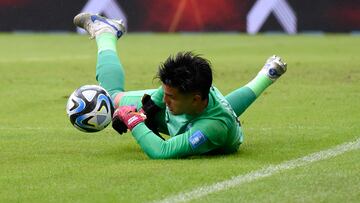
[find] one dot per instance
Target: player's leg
(109, 71)
(243, 97)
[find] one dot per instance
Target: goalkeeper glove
(128, 116)
(150, 110)
(118, 125)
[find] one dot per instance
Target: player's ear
(197, 98)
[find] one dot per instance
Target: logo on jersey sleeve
(197, 139)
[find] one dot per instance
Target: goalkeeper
(198, 118)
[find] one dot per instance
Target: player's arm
(202, 137)
(192, 142)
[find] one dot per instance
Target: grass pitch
(314, 106)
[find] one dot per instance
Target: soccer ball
(90, 108)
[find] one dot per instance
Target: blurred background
(251, 16)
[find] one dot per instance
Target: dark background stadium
(156, 15)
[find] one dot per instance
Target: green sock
(110, 73)
(259, 84)
(243, 97)
(106, 41)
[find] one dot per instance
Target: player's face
(177, 102)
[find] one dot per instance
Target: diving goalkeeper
(198, 118)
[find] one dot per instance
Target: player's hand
(129, 116)
(150, 109)
(118, 125)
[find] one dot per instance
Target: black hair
(187, 72)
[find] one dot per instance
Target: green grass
(315, 106)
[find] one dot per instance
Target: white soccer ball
(90, 108)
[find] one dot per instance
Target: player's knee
(118, 98)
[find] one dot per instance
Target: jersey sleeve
(157, 97)
(197, 140)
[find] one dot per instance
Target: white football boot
(96, 25)
(274, 67)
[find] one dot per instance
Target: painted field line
(262, 173)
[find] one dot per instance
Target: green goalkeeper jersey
(215, 130)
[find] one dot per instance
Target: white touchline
(262, 173)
